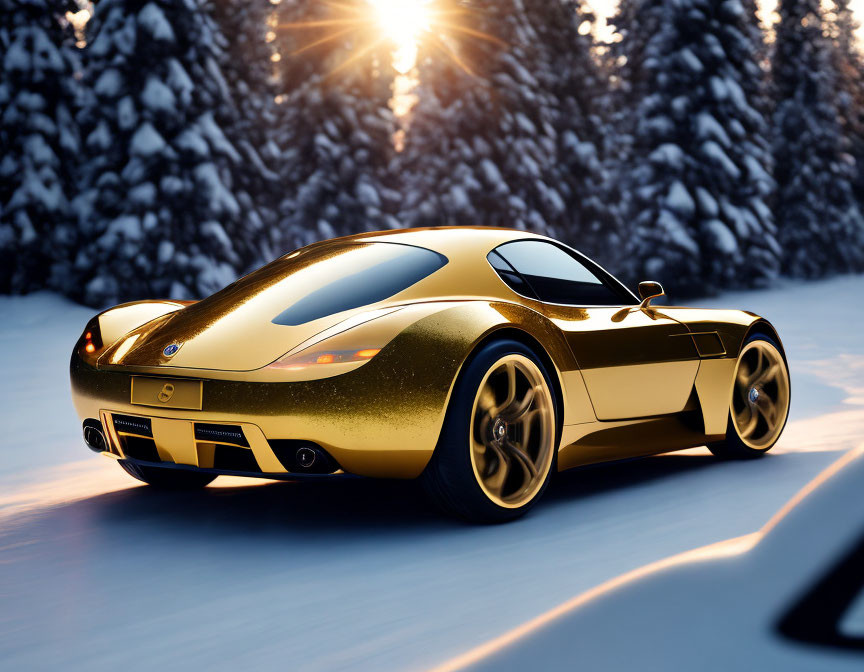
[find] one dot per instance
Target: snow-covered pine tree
(158, 210)
(250, 121)
(39, 142)
(335, 127)
(501, 134)
(849, 64)
(592, 222)
(821, 224)
(696, 172)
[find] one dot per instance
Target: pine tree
(579, 87)
(502, 133)
(251, 118)
(848, 62)
(821, 225)
(39, 142)
(158, 211)
(696, 168)
(335, 127)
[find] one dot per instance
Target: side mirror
(649, 290)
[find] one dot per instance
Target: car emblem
(171, 350)
(166, 393)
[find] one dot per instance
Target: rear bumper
(368, 420)
(240, 449)
(281, 476)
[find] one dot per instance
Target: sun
(403, 23)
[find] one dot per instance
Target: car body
(352, 349)
(788, 597)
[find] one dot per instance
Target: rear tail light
(307, 358)
(91, 340)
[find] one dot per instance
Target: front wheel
(759, 406)
(168, 479)
(497, 446)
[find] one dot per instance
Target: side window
(556, 276)
(510, 277)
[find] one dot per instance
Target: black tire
(733, 447)
(168, 479)
(449, 479)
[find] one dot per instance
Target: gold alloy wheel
(512, 431)
(760, 398)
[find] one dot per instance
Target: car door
(635, 363)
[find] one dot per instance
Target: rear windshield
(328, 281)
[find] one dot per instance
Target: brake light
(91, 339)
(304, 359)
(354, 341)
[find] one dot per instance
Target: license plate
(167, 392)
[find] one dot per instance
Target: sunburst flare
(403, 25)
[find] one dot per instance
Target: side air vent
(221, 434)
(129, 424)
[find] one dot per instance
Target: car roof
(451, 241)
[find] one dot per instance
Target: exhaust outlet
(306, 457)
(303, 457)
(95, 439)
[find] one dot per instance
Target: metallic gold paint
(382, 417)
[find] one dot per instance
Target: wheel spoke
(481, 455)
(527, 421)
(767, 409)
(743, 391)
(522, 459)
(515, 411)
(486, 401)
(483, 427)
(496, 480)
(743, 377)
(767, 375)
(747, 421)
(510, 370)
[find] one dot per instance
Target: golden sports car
(478, 360)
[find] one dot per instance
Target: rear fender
(118, 321)
(435, 349)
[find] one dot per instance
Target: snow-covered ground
(97, 573)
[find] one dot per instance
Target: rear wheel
(168, 479)
(760, 401)
(497, 447)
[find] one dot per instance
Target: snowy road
(97, 573)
